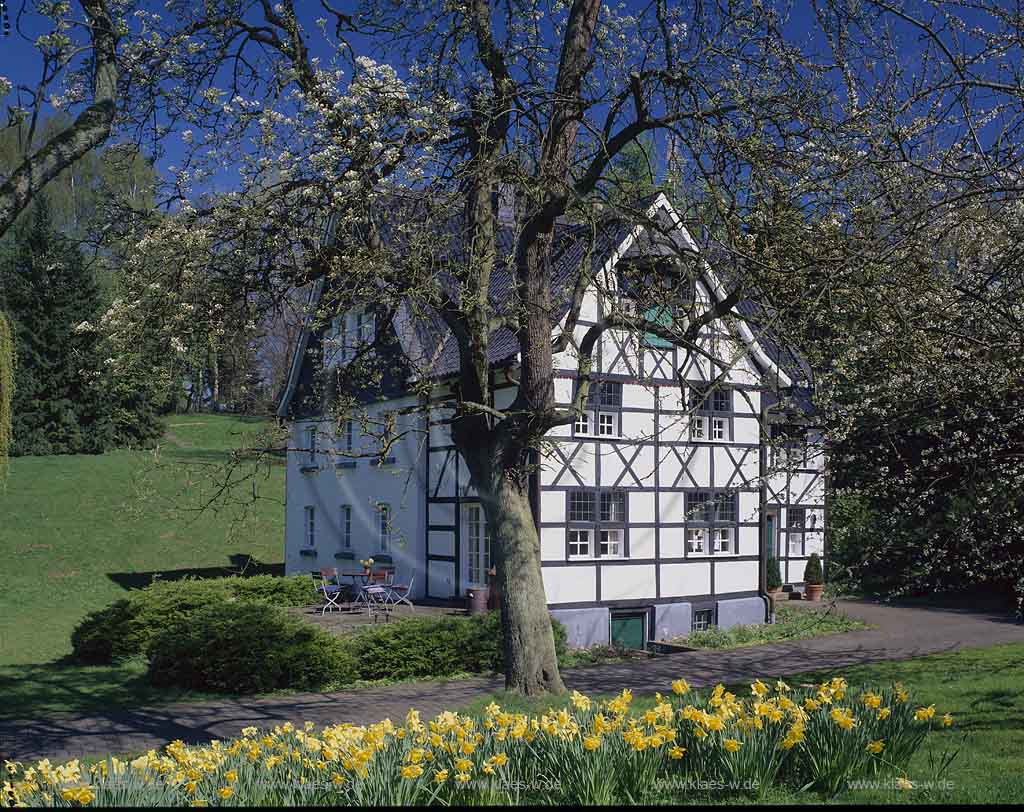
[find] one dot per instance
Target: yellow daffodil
(677, 753)
(462, 778)
(884, 713)
(464, 765)
(411, 771)
(225, 792)
(876, 747)
(440, 776)
(758, 688)
(680, 687)
(904, 783)
(924, 714)
(732, 745)
(947, 720)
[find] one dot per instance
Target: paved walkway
(902, 633)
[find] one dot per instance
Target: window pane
(582, 425)
(725, 506)
(796, 516)
(385, 525)
(611, 543)
(606, 424)
(697, 507)
(613, 506)
(611, 393)
(698, 428)
(579, 543)
(581, 506)
(695, 537)
(722, 400)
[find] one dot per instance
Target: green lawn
(982, 688)
(78, 531)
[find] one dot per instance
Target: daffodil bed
(814, 738)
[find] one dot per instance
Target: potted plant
(773, 577)
(813, 578)
(367, 563)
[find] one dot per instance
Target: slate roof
(431, 349)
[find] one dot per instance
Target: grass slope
(982, 688)
(78, 531)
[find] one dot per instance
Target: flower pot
(812, 592)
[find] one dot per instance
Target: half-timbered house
(656, 508)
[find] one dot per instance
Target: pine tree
(59, 406)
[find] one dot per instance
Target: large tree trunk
(531, 665)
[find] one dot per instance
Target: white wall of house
(329, 481)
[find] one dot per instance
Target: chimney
(506, 205)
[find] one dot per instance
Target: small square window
(695, 539)
(610, 393)
(611, 543)
(719, 428)
(698, 428)
(796, 543)
(722, 400)
(703, 619)
(384, 511)
(579, 543)
(613, 506)
(725, 507)
(582, 423)
(581, 506)
(723, 540)
(607, 424)
(797, 517)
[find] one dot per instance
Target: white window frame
(697, 536)
(703, 619)
(611, 542)
(365, 327)
(613, 420)
(310, 435)
(581, 425)
(345, 526)
(478, 547)
(723, 540)
(309, 526)
(719, 428)
(384, 526)
(584, 536)
(698, 427)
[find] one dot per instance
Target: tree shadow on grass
(241, 564)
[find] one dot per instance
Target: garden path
(902, 633)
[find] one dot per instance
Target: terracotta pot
(812, 592)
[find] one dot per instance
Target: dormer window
(348, 333)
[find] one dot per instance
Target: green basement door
(629, 630)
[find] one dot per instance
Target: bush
(126, 627)
(436, 647)
(247, 648)
(812, 573)
(773, 576)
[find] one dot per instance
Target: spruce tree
(59, 406)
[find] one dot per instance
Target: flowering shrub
(587, 752)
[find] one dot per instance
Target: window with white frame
(604, 514)
(603, 411)
(310, 526)
(579, 543)
(796, 522)
(345, 527)
(365, 328)
(478, 549)
(719, 428)
(698, 427)
(384, 516)
(311, 438)
(703, 619)
(611, 543)
(711, 522)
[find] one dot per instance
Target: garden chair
(399, 593)
(331, 590)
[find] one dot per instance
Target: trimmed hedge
(126, 627)
(248, 648)
(436, 647)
